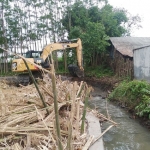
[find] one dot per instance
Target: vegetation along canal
(129, 134)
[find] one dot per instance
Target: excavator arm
(62, 46)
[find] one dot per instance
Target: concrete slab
(95, 130)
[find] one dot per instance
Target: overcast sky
(140, 7)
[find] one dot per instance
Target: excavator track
(16, 80)
(23, 79)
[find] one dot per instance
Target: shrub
(136, 94)
(98, 71)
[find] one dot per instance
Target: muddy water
(128, 135)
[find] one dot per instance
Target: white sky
(140, 7)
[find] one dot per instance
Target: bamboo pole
(88, 143)
(45, 125)
(102, 116)
(37, 88)
(91, 140)
(84, 111)
(77, 114)
(69, 141)
(101, 134)
(56, 107)
(80, 88)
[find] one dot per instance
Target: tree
(94, 25)
(94, 41)
(113, 19)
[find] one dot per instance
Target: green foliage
(94, 41)
(79, 16)
(136, 94)
(94, 25)
(144, 106)
(98, 71)
(113, 19)
(9, 73)
(61, 66)
(26, 25)
(1, 50)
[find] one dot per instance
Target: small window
(35, 55)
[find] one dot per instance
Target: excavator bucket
(75, 71)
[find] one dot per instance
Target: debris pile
(25, 124)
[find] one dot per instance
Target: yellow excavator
(41, 58)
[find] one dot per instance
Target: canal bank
(94, 130)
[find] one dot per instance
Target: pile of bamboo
(45, 116)
(26, 124)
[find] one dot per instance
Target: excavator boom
(62, 46)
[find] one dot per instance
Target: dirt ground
(105, 83)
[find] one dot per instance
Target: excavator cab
(33, 54)
(36, 55)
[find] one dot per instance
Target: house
(122, 51)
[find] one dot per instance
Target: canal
(128, 135)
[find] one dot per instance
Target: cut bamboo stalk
(70, 122)
(17, 146)
(46, 126)
(101, 134)
(56, 109)
(88, 143)
(80, 88)
(102, 116)
(78, 114)
(37, 88)
(30, 120)
(48, 92)
(84, 111)
(28, 145)
(73, 102)
(73, 113)
(69, 142)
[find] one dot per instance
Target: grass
(136, 94)
(99, 71)
(9, 73)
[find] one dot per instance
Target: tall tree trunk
(4, 41)
(65, 60)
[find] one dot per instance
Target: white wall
(141, 58)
